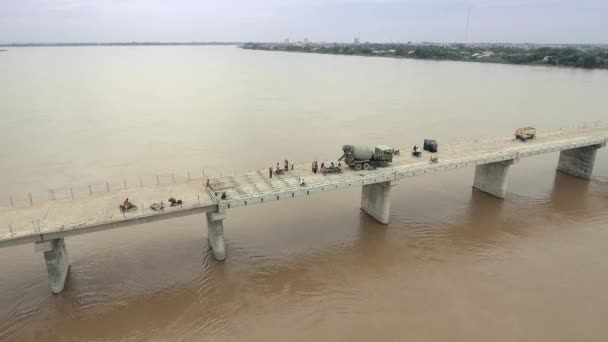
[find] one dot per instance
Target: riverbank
(589, 57)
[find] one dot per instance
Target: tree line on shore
(591, 57)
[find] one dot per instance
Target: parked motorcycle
(129, 207)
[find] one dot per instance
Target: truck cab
(383, 154)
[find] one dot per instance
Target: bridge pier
(376, 201)
(492, 178)
(215, 234)
(578, 162)
(57, 264)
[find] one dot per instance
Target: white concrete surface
(376, 201)
(57, 263)
(578, 162)
(215, 234)
(492, 178)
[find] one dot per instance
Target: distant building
(482, 54)
(356, 41)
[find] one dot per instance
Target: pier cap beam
(578, 162)
(57, 263)
(215, 234)
(492, 178)
(375, 201)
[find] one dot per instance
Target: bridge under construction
(46, 224)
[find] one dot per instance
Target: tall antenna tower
(466, 36)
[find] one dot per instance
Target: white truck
(525, 133)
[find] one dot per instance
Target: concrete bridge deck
(46, 224)
(256, 187)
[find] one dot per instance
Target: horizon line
(41, 44)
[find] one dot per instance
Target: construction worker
(270, 172)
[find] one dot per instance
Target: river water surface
(454, 264)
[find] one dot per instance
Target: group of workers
(289, 165)
(324, 169)
(278, 170)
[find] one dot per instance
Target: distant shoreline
(587, 57)
(117, 44)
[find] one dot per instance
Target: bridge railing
(95, 188)
(59, 218)
(98, 188)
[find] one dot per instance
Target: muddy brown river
(454, 264)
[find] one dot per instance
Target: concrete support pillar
(578, 162)
(57, 264)
(492, 178)
(376, 201)
(215, 233)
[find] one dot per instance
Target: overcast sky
(536, 21)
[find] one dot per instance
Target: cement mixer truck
(362, 157)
